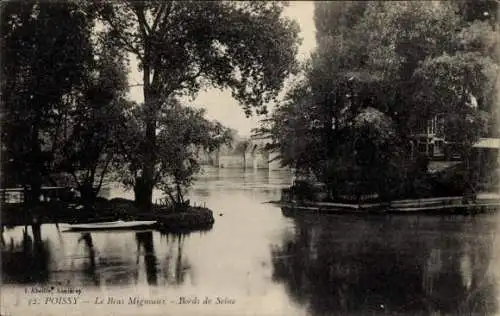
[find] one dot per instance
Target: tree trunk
(180, 197)
(144, 186)
(35, 189)
(35, 174)
(88, 195)
(143, 195)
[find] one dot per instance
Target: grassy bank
(190, 218)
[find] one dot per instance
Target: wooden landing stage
(443, 205)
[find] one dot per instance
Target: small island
(168, 219)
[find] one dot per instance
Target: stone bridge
(256, 155)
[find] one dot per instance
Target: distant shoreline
(438, 205)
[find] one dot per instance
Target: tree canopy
(182, 46)
(182, 132)
(41, 66)
(64, 85)
(246, 46)
(399, 64)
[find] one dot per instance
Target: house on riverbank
(486, 161)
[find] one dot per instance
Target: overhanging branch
(125, 42)
(190, 78)
(164, 6)
(136, 85)
(103, 173)
(143, 24)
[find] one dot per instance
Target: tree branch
(136, 85)
(56, 133)
(143, 24)
(104, 170)
(124, 41)
(189, 78)
(163, 6)
(172, 198)
(75, 178)
(93, 171)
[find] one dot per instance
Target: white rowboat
(109, 225)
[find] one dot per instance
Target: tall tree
(183, 45)
(45, 46)
(407, 61)
(95, 122)
(182, 132)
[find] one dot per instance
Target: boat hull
(116, 225)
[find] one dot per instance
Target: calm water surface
(264, 261)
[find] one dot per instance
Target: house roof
(493, 143)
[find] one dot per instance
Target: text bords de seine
(135, 300)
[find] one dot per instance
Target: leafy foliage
(41, 66)
(182, 131)
(380, 69)
(183, 46)
(246, 46)
(95, 123)
(64, 97)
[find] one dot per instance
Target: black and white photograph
(258, 158)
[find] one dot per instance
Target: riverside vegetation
(67, 119)
(380, 72)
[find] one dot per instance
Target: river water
(258, 260)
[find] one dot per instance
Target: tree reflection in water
(388, 265)
(145, 240)
(91, 268)
(2, 239)
(27, 261)
(176, 267)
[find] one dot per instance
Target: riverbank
(191, 218)
(481, 203)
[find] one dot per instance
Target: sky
(220, 105)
